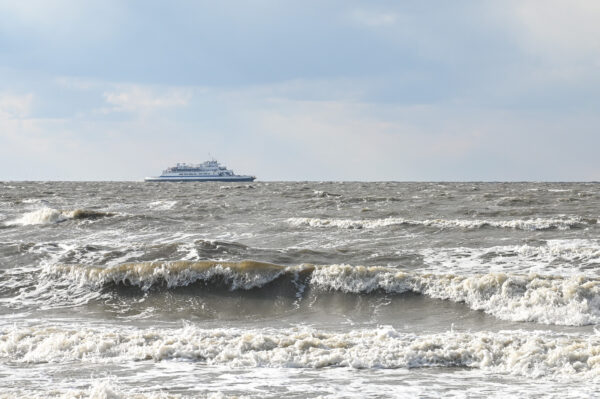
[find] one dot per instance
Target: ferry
(207, 171)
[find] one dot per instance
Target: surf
(545, 299)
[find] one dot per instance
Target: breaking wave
(50, 215)
(543, 299)
(236, 275)
(558, 300)
(559, 223)
(532, 354)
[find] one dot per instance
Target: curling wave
(537, 298)
(50, 215)
(559, 300)
(532, 354)
(237, 275)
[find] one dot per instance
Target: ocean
(299, 290)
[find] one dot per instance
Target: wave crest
(50, 215)
(558, 300)
(237, 275)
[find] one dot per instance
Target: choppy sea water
(299, 290)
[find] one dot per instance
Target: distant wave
(324, 194)
(559, 223)
(231, 186)
(558, 300)
(48, 215)
(561, 256)
(161, 205)
(526, 353)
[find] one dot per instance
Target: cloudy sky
(301, 90)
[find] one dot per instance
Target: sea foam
(559, 223)
(525, 353)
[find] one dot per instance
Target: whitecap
(525, 353)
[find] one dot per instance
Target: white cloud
(15, 105)
(136, 98)
(562, 30)
(373, 19)
(78, 83)
(349, 140)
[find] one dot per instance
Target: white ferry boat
(207, 171)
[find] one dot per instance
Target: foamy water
(560, 223)
(133, 290)
(523, 353)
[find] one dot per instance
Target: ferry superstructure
(207, 171)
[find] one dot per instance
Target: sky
(301, 90)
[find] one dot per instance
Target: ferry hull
(197, 179)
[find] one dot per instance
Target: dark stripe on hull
(202, 180)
